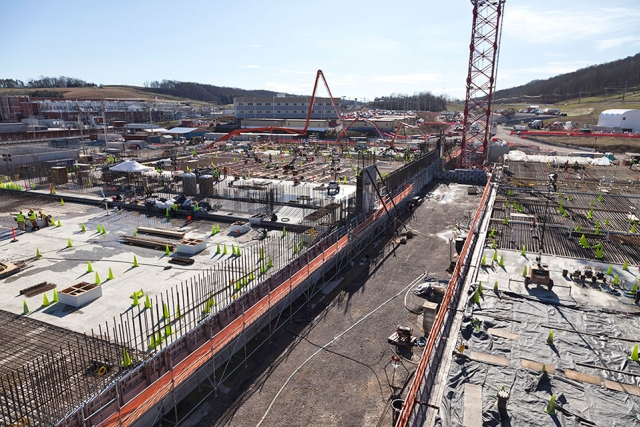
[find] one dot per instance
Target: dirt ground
(603, 144)
(310, 379)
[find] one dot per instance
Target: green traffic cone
(147, 302)
(110, 275)
(238, 253)
(263, 269)
(476, 297)
(104, 230)
(135, 302)
(551, 407)
(284, 231)
(213, 230)
(55, 296)
(269, 262)
(218, 249)
(634, 289)
(480, 289)
(97, 282)
(524, 251)
(495, 255)
(224, 250)
(550, 338)
(261, 254)
(135, 232)
(634, 354)
(484, 261)
(126, 360)
(178, 314)
(61, 202)
(53, 190)
(495, 286)
(217, 228)
(166, 250)
(25, 307)
(295, 248)
(59, 224)
(524, 272)
(38, 256)
(45, 300)
(168, 331)
(159, 338)
(610, 270)
(625, 266)
(135, 261)
(82, 228)
(165, 311)
(166, 212)
(616, 280)
(233, 250)
(501, 263)
(152, 341)
(69, 245)
(494, 245)
(89, 268)
(250, 276)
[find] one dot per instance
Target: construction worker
(21, 221)
(34, 220)
(174, 210)
(196, 210)
(46, 218)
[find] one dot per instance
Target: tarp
(520, 156)
(130, 166)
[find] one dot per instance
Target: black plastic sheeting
(578, 403)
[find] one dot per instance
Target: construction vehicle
(333, 188)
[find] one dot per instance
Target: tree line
(45, 82)
(419, 101)
(606, 79)
(202, 92)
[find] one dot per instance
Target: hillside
(203, 92)
(605, 80)
(120, 92)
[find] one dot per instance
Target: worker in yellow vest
(33, 217)
(20, 218)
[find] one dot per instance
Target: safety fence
(218, 337)
(415, 405)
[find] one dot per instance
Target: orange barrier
(436, 329)
(139, 405)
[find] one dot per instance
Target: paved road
(503, 133)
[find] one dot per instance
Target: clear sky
(365, 48)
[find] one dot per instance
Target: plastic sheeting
(520, 156)
(579, 403)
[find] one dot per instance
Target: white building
(619, 120)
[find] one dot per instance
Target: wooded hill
(605, 79)
(203, 92)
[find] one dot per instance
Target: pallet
(161, 232)
(149, 243)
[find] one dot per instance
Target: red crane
(486, 32)
(287, 130)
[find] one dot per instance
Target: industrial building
(284, 107)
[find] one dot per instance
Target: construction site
(295, 282)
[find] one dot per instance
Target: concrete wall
(465, 176)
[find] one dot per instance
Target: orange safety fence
(143, 402)
(135, 408)
(436, 329)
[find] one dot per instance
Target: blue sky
(365, 48)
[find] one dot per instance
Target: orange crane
(286, 130)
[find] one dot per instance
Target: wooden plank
(537, 366)
(503, 334)
(161, 232)
(581, 376)
(472, 405)
(489, 358)
(622, 387)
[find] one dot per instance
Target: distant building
(249, 107)
(619, 120)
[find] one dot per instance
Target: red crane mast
(486, 32)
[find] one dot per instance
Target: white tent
(130, 166)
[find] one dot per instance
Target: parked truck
(536, 124)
